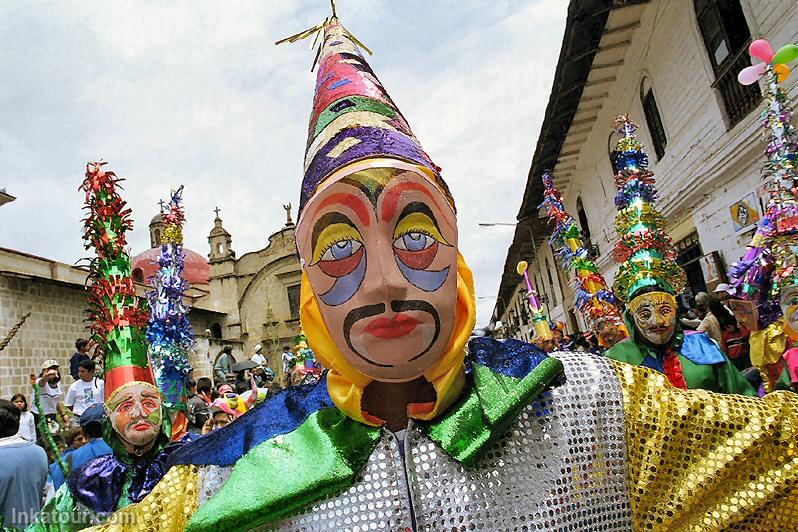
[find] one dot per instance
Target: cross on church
(161, 204)
(216, 210)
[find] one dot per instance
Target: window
(157, 235)
(612, 140)
(220, 248)
(551, 284)
(216, 330)
(583, 225)
(293, 301)
(138, 275)
(726, 36)
(688, 256)
(653, 119)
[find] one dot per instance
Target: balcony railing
(739, 100)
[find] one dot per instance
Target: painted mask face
(654, 315)
(789, 306)
(380, 250)
(135, 413)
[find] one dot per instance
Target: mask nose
(137, 411)
(384, 281)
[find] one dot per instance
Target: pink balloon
(749, 75)
(761, 49)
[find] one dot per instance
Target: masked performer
(648, 281)
(137, 428)
(404, 431)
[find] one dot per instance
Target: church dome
(145, 265)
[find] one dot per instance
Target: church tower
(223, 283)
(156, 230)
(220, 242)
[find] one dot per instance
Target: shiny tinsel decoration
(117, 316)
(644, 249)
(594, 299)
(770, 260)
(169, 332)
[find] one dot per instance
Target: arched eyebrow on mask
(326, 220)
(417, 206)
(391, 198)
(348, 200)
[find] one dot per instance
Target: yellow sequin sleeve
(768, 345)
(168, 506)
(705, 461)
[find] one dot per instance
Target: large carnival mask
(654, 315)
(136, 412)
(789, 307)
(379, 247)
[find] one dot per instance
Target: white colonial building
(672, 65)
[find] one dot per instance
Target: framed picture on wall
(713, 270)
(745, 213)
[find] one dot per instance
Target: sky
(197, 94)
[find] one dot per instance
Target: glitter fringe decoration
(117, 315)
(770, 260)
(645, 250)
(169, 332)
(594, 299)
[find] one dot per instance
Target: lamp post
(534, 250)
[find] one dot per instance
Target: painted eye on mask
(341, 258)
(416, 250)
(414, 242)
(341, 250)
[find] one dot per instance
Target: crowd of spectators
(66, 427)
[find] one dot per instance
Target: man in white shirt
(258, 357)
(86, 391)
(50, 393)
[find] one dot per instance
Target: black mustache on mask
(397, 306)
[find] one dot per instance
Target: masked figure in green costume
(408, 430)
(648, 280)
(138, 430)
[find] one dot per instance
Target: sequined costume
(613, 447)
(96, 489)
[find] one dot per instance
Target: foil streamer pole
(645, 251)
(539, 321)
(117, 315)
(594, 299)
(770, 259)
(169, 332)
